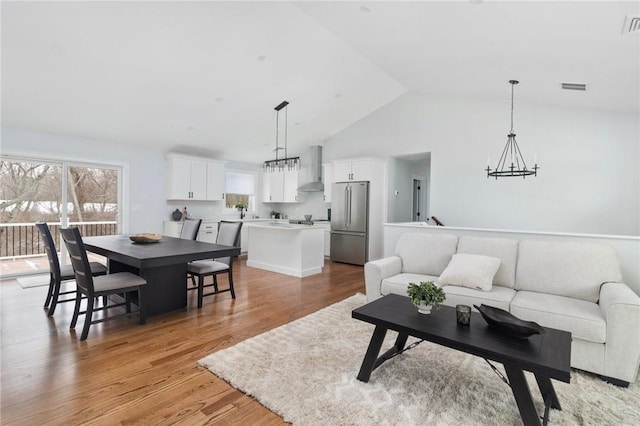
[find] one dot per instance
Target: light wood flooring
(125, 373)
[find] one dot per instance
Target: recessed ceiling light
(262, 58)
(190, 128)
(219, 99)
(365, 9)
(297, 123)
(337, 95)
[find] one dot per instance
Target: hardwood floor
(125, 373)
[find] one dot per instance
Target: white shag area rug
(306, 371)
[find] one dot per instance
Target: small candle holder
(463, 314)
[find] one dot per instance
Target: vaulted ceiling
(204, 77)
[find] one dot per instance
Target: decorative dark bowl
(508, 324)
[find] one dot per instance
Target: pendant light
(281, 163)
(511, 162)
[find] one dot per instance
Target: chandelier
(511, 162)
(287, 163)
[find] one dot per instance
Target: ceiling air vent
(631, 25)
(574, 86)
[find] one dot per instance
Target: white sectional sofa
(573, 286)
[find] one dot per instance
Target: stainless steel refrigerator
(350, 222)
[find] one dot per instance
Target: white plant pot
(423, 308)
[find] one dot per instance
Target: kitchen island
(296, 250)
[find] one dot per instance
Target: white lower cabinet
(244, 238)
(172, 229)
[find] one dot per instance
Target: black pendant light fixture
(281, 163)
(511, 162)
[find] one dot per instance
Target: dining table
(163, 264)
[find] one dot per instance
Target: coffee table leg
(546, 389)
(372, 353)
(521, 393)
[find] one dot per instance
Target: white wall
(144, 201)
(588, 181)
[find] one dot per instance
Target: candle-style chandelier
(511, 162)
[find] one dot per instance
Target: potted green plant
(240, 206)
(425, 296)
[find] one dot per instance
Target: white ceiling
(204, 77)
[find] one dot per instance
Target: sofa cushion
(397, 284)
(568, 269)
(583, 319)
(424, 253)
(470, 270)
(498, 296)
(504, 249)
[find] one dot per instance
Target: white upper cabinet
(280, 186)
(355, 169)
(273, 187)
(291, 184)
(188, 178)
(216, 181)
(327, 179)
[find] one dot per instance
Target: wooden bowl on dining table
(145, 238)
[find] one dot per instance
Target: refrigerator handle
(350, 199)
(346, 207)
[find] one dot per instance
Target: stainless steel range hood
(315, 171)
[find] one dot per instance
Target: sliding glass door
(59, 193)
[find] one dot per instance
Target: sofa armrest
(378, 270)
(620, 307)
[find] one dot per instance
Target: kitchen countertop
(283, 225)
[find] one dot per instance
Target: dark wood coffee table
(547, 355)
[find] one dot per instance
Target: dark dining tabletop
(168, 250)
(162, 264)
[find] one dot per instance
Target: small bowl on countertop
(145, 238)
(308, 217)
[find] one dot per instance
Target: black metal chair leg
(200, 290)
(233, 293)
(87, 321)
(49, 292)
(215, 283)
(54, 299)
(76, 310)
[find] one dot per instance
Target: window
(240, 189)
(60, 193)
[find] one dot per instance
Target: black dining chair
(106, 285)
(190, 229)
(59, 273)
(229, 235)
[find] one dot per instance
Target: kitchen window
(240, 188)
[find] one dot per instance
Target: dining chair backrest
(228, 235)
(50, 249)
(79, 259)
(190, 229)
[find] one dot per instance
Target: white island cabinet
(289, 249)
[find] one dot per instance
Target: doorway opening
(409, 180)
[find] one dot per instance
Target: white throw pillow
(470, 270)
